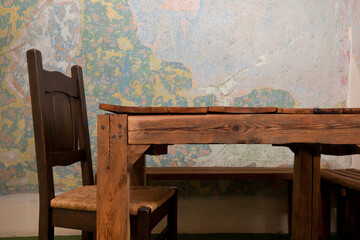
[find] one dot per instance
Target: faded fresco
(284, 53)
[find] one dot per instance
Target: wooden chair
(62, 138)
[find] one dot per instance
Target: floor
(194, 237)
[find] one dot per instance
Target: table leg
(113, 178)
(306, 193)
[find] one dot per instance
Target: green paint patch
(266, 97)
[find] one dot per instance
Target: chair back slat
(61, 117)
(67, 158)
(60, 122)
(58, 82)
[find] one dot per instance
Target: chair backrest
(60, 123)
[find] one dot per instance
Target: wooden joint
(135, 152)
(161, 149)
(314, 148)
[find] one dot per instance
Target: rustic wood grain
(188, 110)
(345, 173)
(133, 110)
(295, 110)
(352, 110)
(328, 127)
(354, 170)
(135, 152)
(113, 179)
(245, 128)
(242, 110)
(342, 180)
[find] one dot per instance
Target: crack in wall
(228, 86)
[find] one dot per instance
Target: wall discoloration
(177, 53)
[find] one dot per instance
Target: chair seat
(84, 198)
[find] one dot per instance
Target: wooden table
(125, 136)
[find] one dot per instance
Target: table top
(222, 109)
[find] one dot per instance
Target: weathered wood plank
(188, 110)
(223, 109)
(352, 110)
(133, 110)
(312, 110)
(345, 181)
(112, 180)
(295, 110)
(245, 128)
(345, 173)
(354, 170)
(248, 110)
(211, 173)
(328, 110)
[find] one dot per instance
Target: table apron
(244, 129)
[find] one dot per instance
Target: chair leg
(172, 217)
(46, 230)
(88, 235)
(143, 224)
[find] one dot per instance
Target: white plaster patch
(237, 46)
